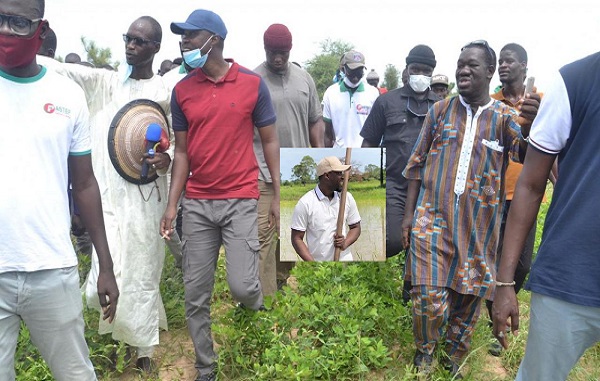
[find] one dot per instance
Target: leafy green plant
(338, 325)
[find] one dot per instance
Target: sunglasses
(137, 40)
(358, 72)
(19, 25)
(483, 43)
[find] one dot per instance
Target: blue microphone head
(153, 132)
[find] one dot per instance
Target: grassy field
(362, 191)
(332, 322)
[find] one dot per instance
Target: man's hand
(505, 306)
(274, 214)
(159, 161)
(166, 223)
(406, 227)
(339, 241)
(108, 294)
(77, 226)
(530, 105)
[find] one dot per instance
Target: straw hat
(126, 138)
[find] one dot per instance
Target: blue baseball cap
(201, 19)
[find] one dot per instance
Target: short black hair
(156, 28)
(72, 58)
(518, 49)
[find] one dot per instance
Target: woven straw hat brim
(126, 146)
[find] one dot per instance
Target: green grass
(362, 191)
(334, 322)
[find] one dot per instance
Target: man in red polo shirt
(215, 109)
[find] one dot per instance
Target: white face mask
(349, 83)
(419, 83)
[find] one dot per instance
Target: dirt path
(494, 367)
(174, 358)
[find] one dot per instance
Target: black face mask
(355, 73)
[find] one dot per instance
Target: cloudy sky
(554, 32)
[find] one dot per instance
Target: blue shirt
(567, 266)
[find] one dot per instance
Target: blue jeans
(49, 302)
(559, 334)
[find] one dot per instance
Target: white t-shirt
(347, 111)
(317, 216)
(44, 120)
(550, 130)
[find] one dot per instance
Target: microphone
(153, 133)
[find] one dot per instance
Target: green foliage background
(335, 321)
(323, 66)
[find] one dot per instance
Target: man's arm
(270, 143)
(374, 127)
(179, 176)
(300, 246)
(554, 173)
(93, 81)
(522, 215)
(412, 193)
(316, 131)
(316, 128)
(87, 196)
(344, 242)
(165, 158)
(329, 134)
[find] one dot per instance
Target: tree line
(305, 172)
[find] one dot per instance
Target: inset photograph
(332, 204)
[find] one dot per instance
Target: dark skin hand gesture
(343, 242)
(505, 306)
(410, 206)
(530, 105)
(405, 228)
(160, 160)
(77, 227)
(87, 196)
(166, 222)
(108, 294)
(274, 214)
(529, 109)
(339, 241)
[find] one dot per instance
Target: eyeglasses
(483, 43)
(19, 25)
(358, 72)
(137, 40)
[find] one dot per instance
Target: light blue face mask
(194, 58)
(124, 72)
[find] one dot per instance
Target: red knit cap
(278, 37)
